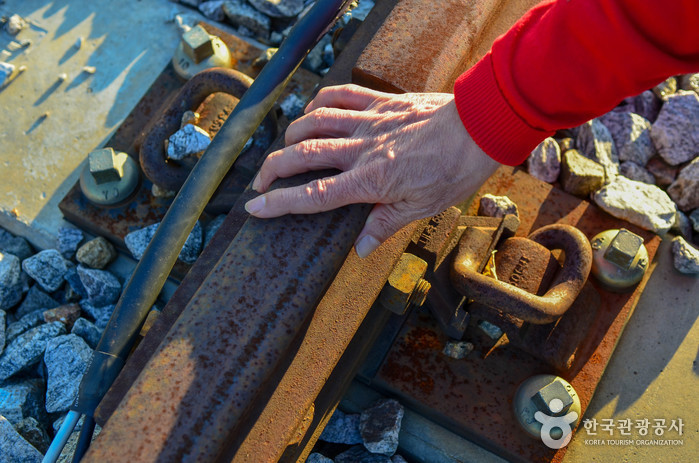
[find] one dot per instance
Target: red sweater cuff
(489, 118)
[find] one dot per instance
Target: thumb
(383, 221)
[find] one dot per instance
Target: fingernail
(256, 205)
(366, 245)
(256, 182)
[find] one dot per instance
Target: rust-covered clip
(510, 299)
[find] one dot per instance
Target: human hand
(409, 154)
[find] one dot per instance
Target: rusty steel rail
(517, 302)
(266, 287)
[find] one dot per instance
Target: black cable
(85, 439)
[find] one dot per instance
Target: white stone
(644, 205)
(6, 70)
(676, 131)
(187, 141)
(685, 256)
(497, 206)
(595, 142)
(685, 189)
(544, 162)
(631, 135)
(14, 24)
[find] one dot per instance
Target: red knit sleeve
(568, 61)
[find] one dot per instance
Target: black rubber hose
(84, 439)
(151, 272)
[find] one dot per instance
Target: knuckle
(319, 192)
(308, 150)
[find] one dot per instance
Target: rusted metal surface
(288, 399)
(424, 46)
(237, 332)
(435, 245)
(518, 302)
(406, 285)
(473, 396)
(534, 277)
(171, 175)
(145, 209)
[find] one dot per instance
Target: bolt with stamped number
(109, 178)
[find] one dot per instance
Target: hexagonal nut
(554, 390)
(106, 166)
(406, 276)
(197, 44)
(623, 248)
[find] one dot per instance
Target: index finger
(348, 96)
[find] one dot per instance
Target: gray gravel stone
(100, 315)
(47, 269)
(685, 256)
(398, 459)
(68, 241)
(138, 240)
(595, 142)
(14, 448)
(359, 454)
(192, 3)
(187, 141)
(101, 286)
(694, 219)
(213, 10)
(379, 426)
(676, 131)
(20, 399)
(647, 105)
(457, 349)
(316, 457)
(34, 300)
(211, 229)
(292, 106)
(66, 359)
(580, 176)
(3, 327)
(633, 171)
(682, 226)
(15, 245)
(240, 14)
(342, 429)
(496, 206)
(644, 205)
(27, 322)
(685, 189)
(544, 162)
(192, 247)
(28, 348)
(86, 330)
(689, 82)
(96, 253)
(76, 285)
(665, 88)
(631, 135)
(10, 281)
(277, 8)
(664, 173)
(34, 433)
